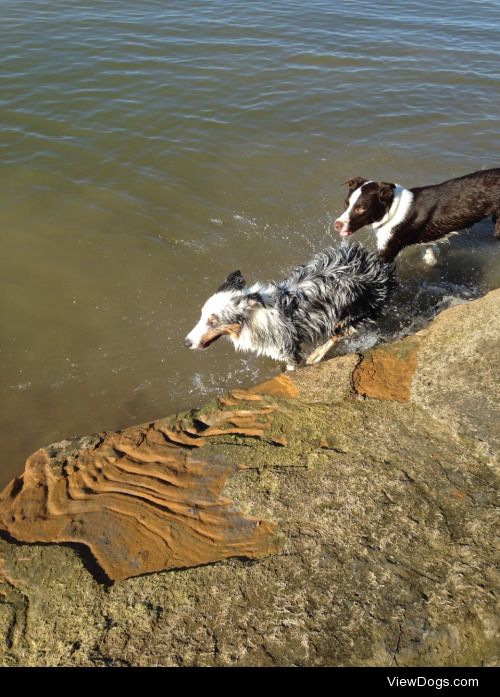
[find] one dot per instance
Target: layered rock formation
(364, 489)
(142, 500)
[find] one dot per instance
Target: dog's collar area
(393, 208)
(395, 215)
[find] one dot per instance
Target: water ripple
(149, 148)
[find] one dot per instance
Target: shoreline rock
(374, 478)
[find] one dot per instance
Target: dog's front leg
(294, 358)
(431, 255)
(319, 353)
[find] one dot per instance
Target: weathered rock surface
(380, 472)
(387, 372)
(141, 500)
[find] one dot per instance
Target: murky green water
(149, 148)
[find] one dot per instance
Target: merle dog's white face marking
(219, 316)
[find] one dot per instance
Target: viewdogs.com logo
(437, 683)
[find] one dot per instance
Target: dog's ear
(234, 281)
(386, 192)
(353, 184)
(255, 300)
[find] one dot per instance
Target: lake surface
(147, 149)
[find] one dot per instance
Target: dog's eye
(359, 209)
(213, 321)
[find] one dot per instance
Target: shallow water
(148, 150)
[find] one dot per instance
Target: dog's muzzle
(341, 227)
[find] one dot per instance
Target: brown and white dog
(401, 217)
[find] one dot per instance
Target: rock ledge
(358, 506)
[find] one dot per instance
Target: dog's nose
(338, 225)
(188, 343)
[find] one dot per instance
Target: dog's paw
(290, 367)
(430, 256)
(315, 357)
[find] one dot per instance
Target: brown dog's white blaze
(342, 224)
(367, 203)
